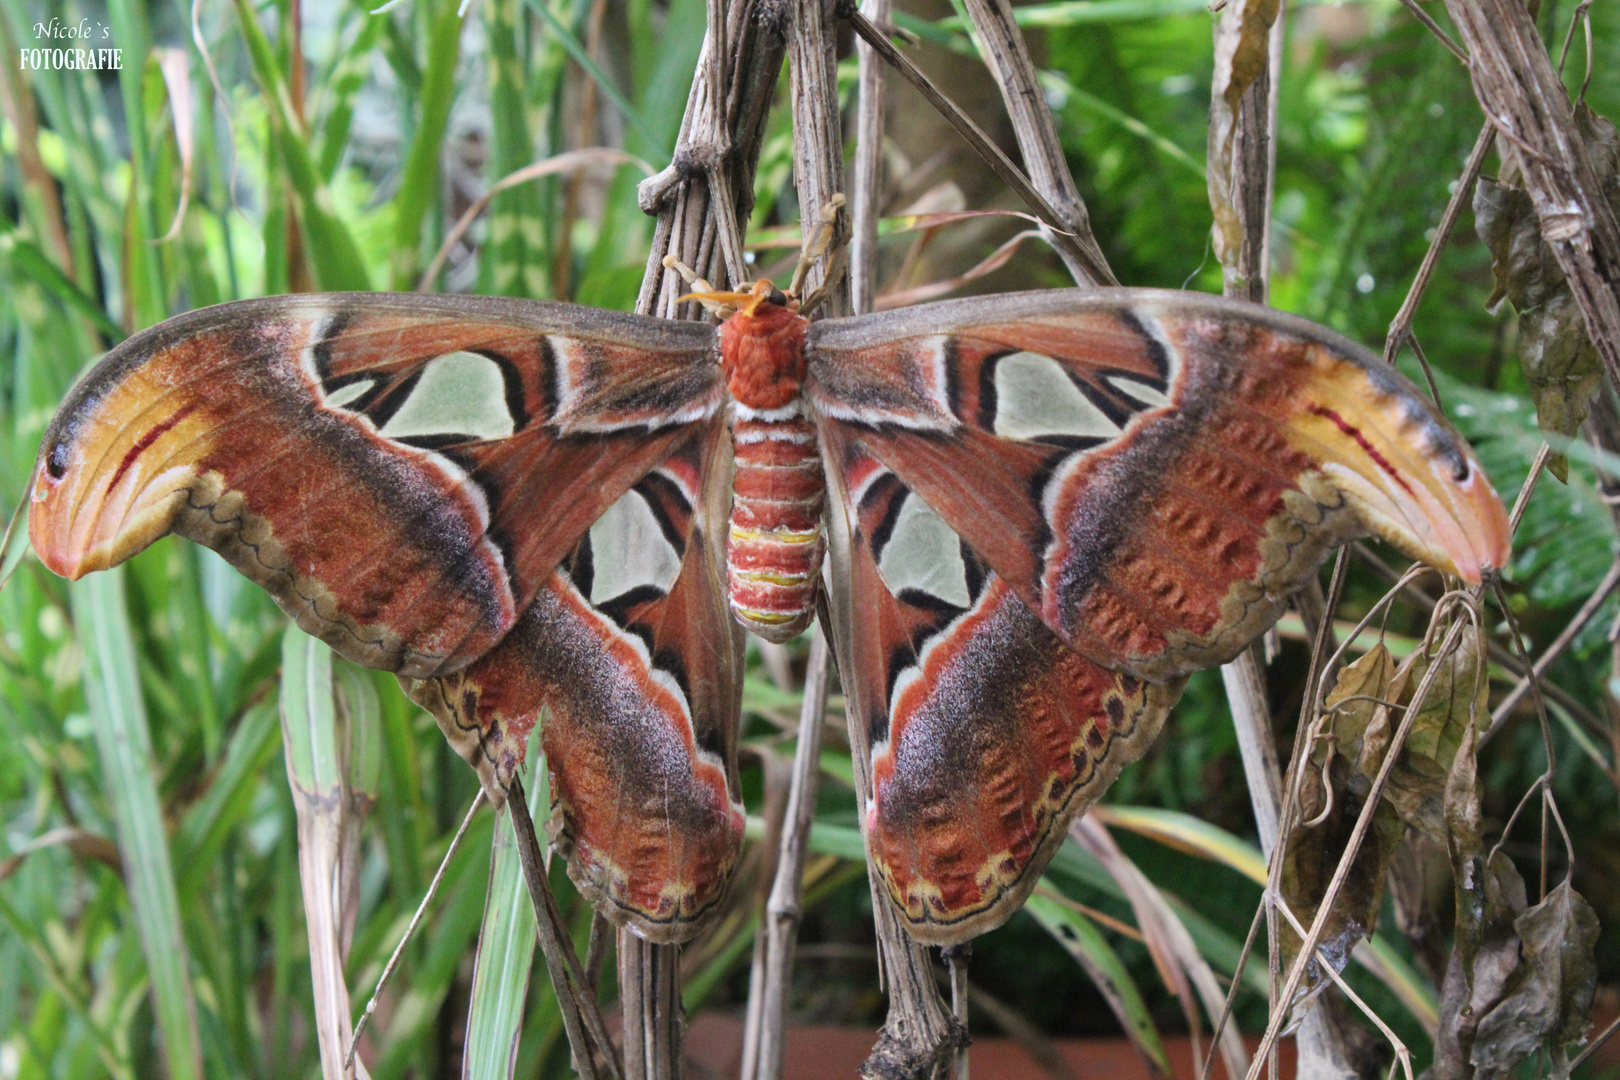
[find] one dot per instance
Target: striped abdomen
(774, 554)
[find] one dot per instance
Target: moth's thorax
(776, 541)
(763, 355)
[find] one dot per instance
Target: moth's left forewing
(402, 472)
(1153, 472)
(631, 653)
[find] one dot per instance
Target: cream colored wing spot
(460, 393)
(924, 554)
(343, 396)
(629, 551)
(1137, 391)
(1035, 398)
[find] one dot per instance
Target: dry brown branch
(1525, 100)
(1066, 242)
(918, 1032)
(582, 1019)
(765, 1038)
(1243, 117)
(700, 199)
(867, 174)
(1008, 59)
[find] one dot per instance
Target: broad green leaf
(123, 739)
(506, 945)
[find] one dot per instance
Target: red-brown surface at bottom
(714, 1050)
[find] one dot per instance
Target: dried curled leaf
(1559, 360)
(1490, 895)
(1312, 856)
(1419, 880)
(1455, 705)
(1353, 701)
(1549, 994)
(1358, 732)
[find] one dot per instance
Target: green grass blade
(1183, 832)
(333, 254)
(505, 951)
(657, 144)
(343, 85)
(449, 934)
(309, 725)
(1086, 943)
(118, 716)
(144, 301)
(24, 259)
(228, 801)
(419, 184)
(515, 249)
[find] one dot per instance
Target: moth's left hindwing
(403, 473)
(987, 734)
(631, 651)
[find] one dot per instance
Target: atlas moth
(1031, 516)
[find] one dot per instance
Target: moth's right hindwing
(631, 652)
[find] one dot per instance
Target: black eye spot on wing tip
(56, 461)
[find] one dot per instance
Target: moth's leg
(699, 287)
(816, 245)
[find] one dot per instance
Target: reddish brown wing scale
(1211, 455)
(1136, 482)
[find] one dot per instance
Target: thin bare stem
(1552, 652)
(957, 958)
(867, 172)
(410, 930)
(1462, 196)
(783, 912)
(1402, 1053)
(1433, 27)
(1595, 1045)
(1009, 62)
(571, 161)
(1003, 167)
(1296, 971)
(1521, 502)
(576, 998)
